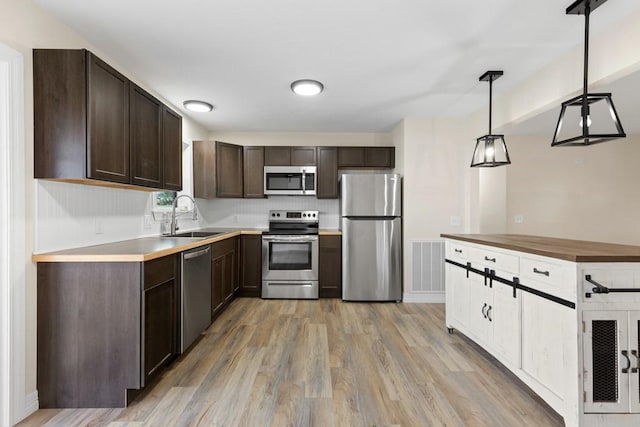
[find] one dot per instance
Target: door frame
(13, 258)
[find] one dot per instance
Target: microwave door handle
(304, 189)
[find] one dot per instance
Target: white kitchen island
(562, 315)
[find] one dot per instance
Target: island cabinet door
(634, 348)
(546, 342)
(457, 296)
(505, 316)
(480, 306)
(606, 361)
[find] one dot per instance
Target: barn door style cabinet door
(94, 126)
(611, 361)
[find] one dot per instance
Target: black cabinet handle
(486, 258)
(483, 313)
(458, 251)
(488, 316)
(634, 353)
(625, 354)
(544, 273)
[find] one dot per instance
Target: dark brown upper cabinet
(327, 173)
(94, 126)
(277, 156)
(229, 174)
(204, 169)
(253, 167)
(303, 156)
(366, 157)
(289, 156)
(146, 145)
(171, 150)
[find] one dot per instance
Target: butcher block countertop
(570, 250)
(146, 248)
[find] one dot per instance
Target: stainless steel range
(290, 255)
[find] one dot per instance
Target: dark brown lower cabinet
(223, 274)
(330, 266)
(104, 330)
(250, 265)
(160, 310)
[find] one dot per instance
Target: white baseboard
(424, 297)
(29, 405)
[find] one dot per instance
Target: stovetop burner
(293, 223)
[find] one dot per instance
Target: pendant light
(491, 150)
(589, 118)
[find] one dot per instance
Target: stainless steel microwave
(290, 180)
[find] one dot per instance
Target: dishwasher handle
(196, 254)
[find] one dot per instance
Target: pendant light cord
(585, 103)
(490, 100)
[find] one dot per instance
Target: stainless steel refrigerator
(371, 224)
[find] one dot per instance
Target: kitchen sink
(193, 234)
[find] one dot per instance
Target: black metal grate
(605, 361)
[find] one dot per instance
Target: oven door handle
(290, 238)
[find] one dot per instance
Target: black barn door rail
(515, 283)
(602, 289)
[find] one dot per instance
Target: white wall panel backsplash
(254, 212)
(72, 215)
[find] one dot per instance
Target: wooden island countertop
(566, 249)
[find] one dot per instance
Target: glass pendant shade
(601, 118)
(491, 151)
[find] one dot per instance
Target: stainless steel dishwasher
(196, 294)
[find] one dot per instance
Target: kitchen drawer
(550, 273)
(457, 252)
(159, 270)
(223, 247)
(496, 260)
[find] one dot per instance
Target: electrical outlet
(455, 221)
(235, 219)
(98, 226)
(518, 219)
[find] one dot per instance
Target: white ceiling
(380, 60)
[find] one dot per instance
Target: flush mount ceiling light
(589, 118)
(491, 150)
(307, 87)
(197, 106)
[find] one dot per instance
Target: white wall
(436, 171)
(585, 193)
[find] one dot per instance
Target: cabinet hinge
(584, 396)
(584, 327)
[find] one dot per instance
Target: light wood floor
(326, 363)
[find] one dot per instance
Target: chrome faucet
(174, 222)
